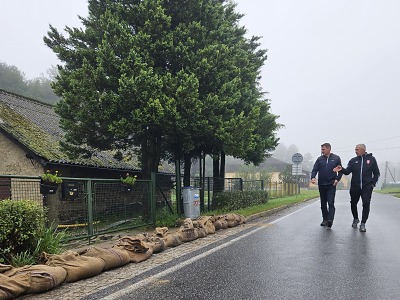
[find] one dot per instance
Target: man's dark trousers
(327, 195)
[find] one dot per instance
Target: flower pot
(46, 188)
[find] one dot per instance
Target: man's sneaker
(355, 222)
(362, 227)
(324, 223)
(329, 224)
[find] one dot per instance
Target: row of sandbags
(73, 266)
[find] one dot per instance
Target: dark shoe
(362, 227)
(329, 224)
(355, 222)
(324, 223)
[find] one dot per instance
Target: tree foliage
(13, 80)
(170, 78)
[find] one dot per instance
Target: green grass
(391, 191)
(273, 203)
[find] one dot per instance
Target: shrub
(239, 199)
(23, 234)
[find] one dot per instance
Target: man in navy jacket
(365, 174)
(327, 181)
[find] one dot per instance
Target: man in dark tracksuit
(327, 181)
(365, 174)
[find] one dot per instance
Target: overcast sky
(331, 71)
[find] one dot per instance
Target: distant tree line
(13, 80)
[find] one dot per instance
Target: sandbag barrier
(72, 266)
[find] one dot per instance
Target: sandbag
(173, 239)
(161, 231)
(13, 287)
(43, 278)
(4, 268)
(157, 244)
(112, 257)
(208, 225)
(77, 266)
(220, 224)
(187, 231)
(201, 231)
(136, 249)
(188, 235)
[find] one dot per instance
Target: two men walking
(365, 174)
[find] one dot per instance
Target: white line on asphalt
(288, 215)
(155, 278)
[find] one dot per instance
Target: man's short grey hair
(362, 146)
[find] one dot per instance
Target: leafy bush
(23, 234)
(239, 199)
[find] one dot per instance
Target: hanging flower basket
(127, 183)
(49, 182)
(46, 188)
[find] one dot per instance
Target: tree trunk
(222, 167)
(218, 183)
(187, 163)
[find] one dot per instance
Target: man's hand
(337, 168)
(313, 180)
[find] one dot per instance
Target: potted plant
(128, 182)
(49, 182)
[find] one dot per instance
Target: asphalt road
(286, 257)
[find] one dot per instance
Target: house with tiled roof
(30, 143)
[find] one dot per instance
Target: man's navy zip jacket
(364, 170)
(324, 166)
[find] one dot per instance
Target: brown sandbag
(240, 219)
(77, 266)
(136, 249)
(13, 287)
(188, 235)
(220, 224)
(157, 244)
(112, 257)
(173, 239)
(201, 232)
(207, 224)
(4, 268)
(43, 277)
(161, 231)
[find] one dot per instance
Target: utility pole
(386, 166)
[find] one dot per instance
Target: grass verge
(391, 191)
(273, 203)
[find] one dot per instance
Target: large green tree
(172, 79)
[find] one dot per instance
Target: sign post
(297, 170)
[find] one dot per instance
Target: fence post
(208, 194)
(90, 207)
(153, 198)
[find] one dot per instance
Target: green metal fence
(86, 207)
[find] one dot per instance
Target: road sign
(297, 169)
(297, 158)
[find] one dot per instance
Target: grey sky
(331, 71)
